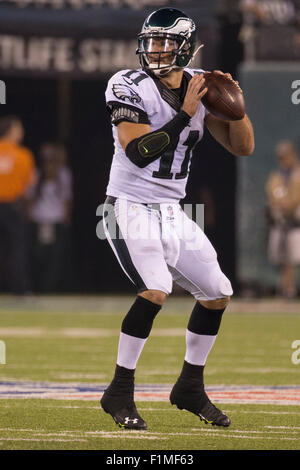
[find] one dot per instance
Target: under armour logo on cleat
(134, 421)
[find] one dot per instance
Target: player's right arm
(128, 131)
(142, 146)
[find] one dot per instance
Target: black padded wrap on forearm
(149, 147)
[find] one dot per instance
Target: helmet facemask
(162, 52)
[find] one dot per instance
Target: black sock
(123, 382)
(139, 320)
(191, 372)
(205, 321)
(121, 373)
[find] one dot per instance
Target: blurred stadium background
(55, 59)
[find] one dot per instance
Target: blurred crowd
(260, 12)
(283, 216)
(35, 212)
(260, 29)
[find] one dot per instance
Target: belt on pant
(152, 205)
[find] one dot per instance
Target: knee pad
(225, 286)
(219, 287)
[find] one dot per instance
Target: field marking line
(57, 434)
(95, 408)
(293, 430)
(71, 375)
(98, 408)
(266, 412)
(87, 434)
(264, 370)
(27, 331)
(41, 430)
(130, 436)
(215, 433)
(95, 436)
(244, 431)
(282, 427)
(79, 332)
(234, 436)
(242, 434)
(75, 432)
(41, 440)
(22, 430)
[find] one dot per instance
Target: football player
(157, 119)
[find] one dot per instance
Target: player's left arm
(236, 136)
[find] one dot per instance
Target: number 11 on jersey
(166, 160)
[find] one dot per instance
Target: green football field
(61, 352)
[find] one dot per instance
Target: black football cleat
(123, 411)
(195, 400)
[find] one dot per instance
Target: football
(224, 98)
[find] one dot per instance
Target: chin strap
(196, 52)
(163, 72)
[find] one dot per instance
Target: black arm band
(147, 148)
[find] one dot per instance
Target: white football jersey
(135, 94)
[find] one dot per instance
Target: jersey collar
(168, 95)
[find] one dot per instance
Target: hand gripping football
(224, 98)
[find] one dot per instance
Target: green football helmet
(167, 41)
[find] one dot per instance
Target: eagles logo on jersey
(124, 92)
